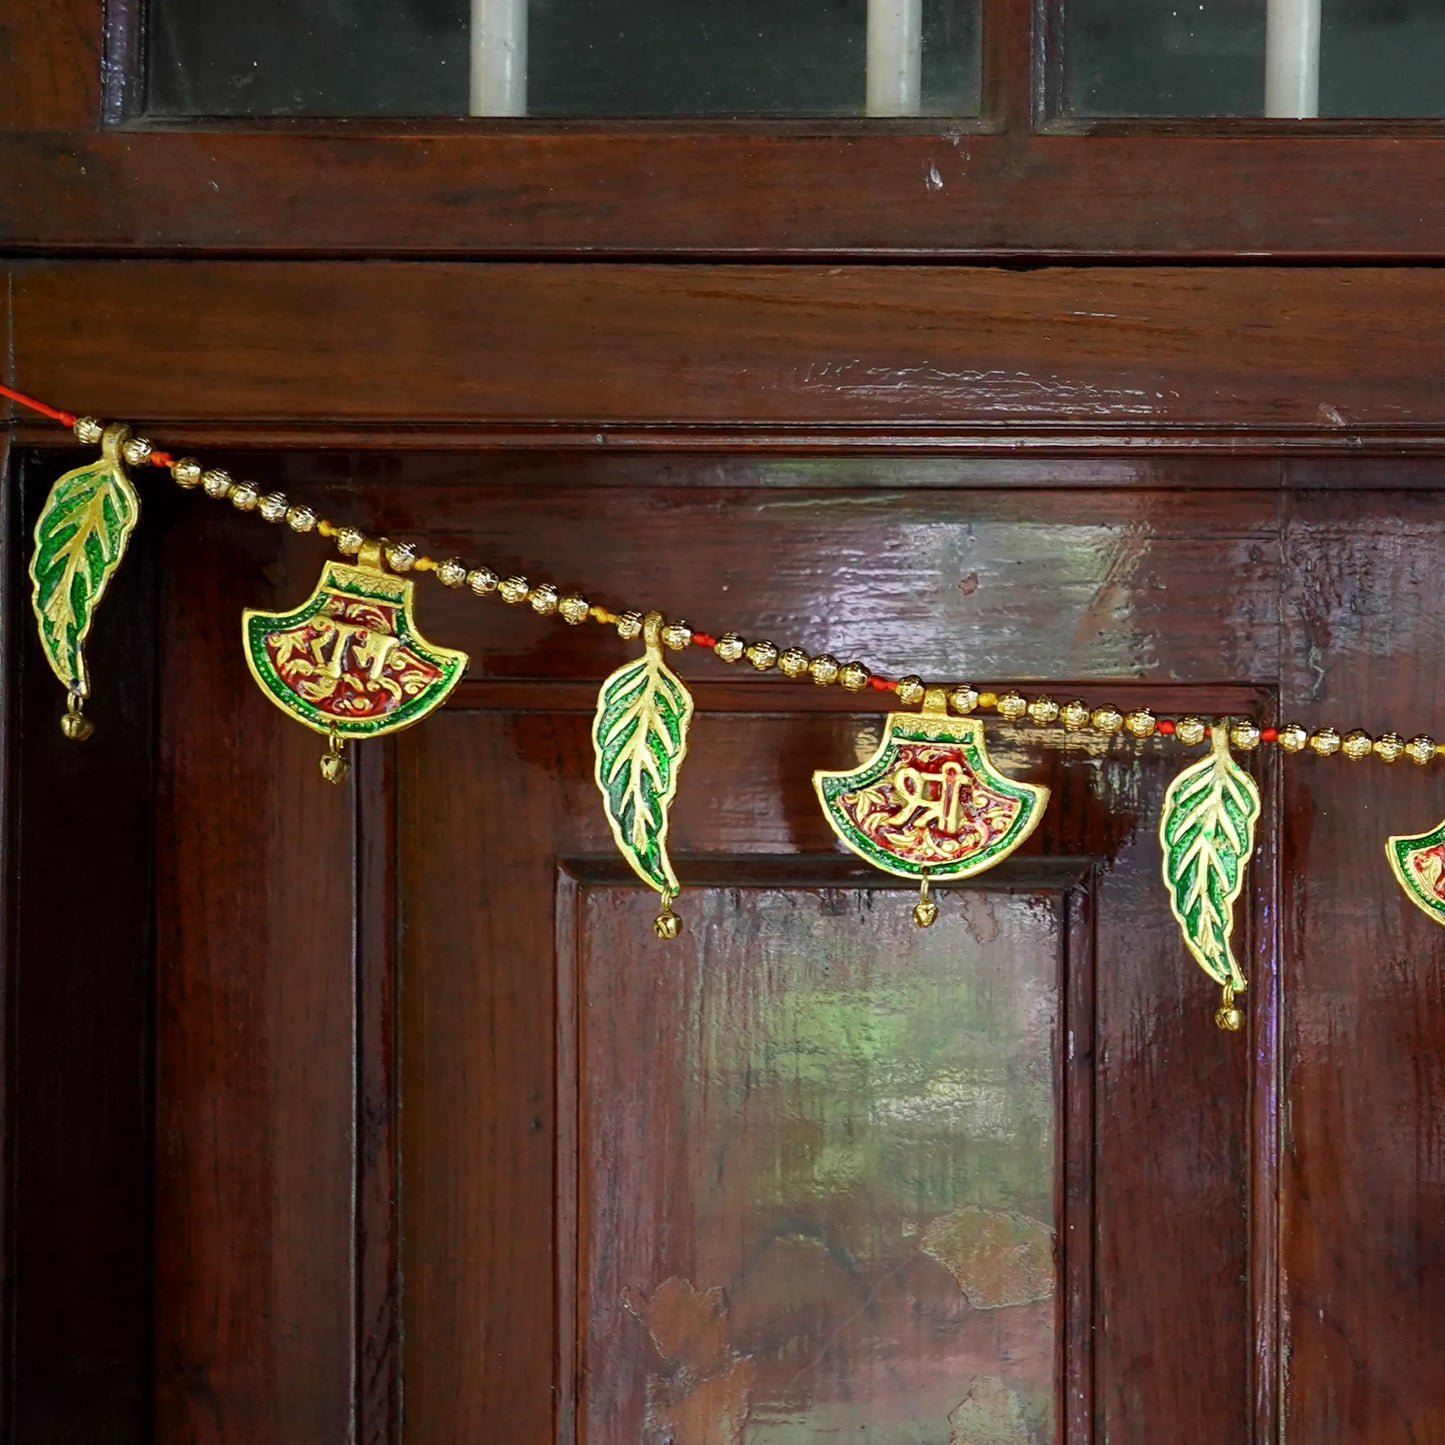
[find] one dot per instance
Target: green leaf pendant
(640, 738)
(1207, 833)
(79, 540)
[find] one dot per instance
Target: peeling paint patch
(998, 1257)
(990, 1414)
(703, 1393)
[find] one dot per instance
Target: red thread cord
(704, 639)
(883, 684)
(1270, 735)
(66, 418)
(1165, 726)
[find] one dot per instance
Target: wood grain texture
(78, 1008)
(820, 1173)
(1362, 1232)
(254, 1056)
(456, 189)
(1066, 350)
(50, 55)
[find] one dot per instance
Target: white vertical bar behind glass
(895, 57)
(1292, 58)
(499, 57)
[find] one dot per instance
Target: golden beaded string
(547, 600)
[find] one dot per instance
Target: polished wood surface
(1079, 356)
(627, 190)
(496, 1100)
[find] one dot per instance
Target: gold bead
(794, 663)
(515, 590)
(543, 599)
(1074, 715)
(987, 700)
(730, 647)
(273, 507)
(824, 670)
(963, 699)
(1292, 738)
(452, 572)
(1244, 734)
(216, 483)
(482, 580)
(301, 519)
(762, 655)
(1140, 723)
(401, 556)
(1325, 741)
(910, 690)
(676, 636)
(629, 625)
(1389, 746)
(350, 540)
(1107, 719)
(1012, 706)
(1421, 749)
(88, 430)
(1357, 744)
(76, 726)
(925, 913)
(244, 496)
(667, 924)
(137, 451)
(574, 609)
(187, 472)
(854, 676)
(1043, 710)
(1191, 730)
(1230, 1018)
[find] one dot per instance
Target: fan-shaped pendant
(1419, 864)
(929, 804)
(350, 661)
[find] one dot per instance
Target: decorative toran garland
(929, 805)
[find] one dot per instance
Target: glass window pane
(562, 57)
(1361, 58)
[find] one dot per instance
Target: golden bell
(76, 727)
(925, 911)
(667, 925)
(334, 767)
(1230, 1019)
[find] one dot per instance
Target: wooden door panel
(255, 1077)
(818, 1163)
(492, 1289)
(1363, 1172)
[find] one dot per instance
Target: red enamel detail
(934, 810)
(348, 662)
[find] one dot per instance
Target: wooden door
(377, 1114)
(447, 1146)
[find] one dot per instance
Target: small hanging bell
(925, 911)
